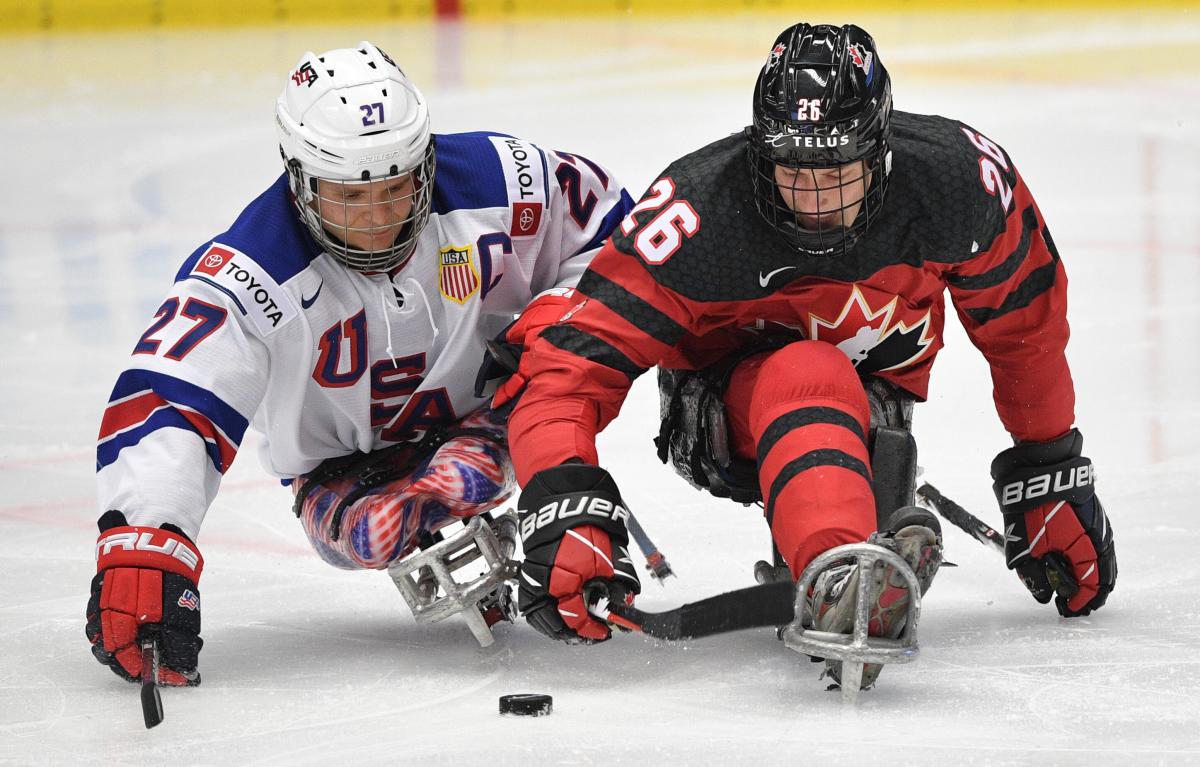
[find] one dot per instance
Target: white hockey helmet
(354, 135)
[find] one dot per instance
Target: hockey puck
(528, 704)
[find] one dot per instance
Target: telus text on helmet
(810, 141)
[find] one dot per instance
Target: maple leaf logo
(870, 338)
(775, 54)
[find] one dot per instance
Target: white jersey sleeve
(178, 413)
(592, 204)
(562, 206)
(264, 328)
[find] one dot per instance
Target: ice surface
(124, 152)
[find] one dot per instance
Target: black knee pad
(892, 448)
(694, 433)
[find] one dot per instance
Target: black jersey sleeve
(1011, 297)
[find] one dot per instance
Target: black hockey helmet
(822, 100)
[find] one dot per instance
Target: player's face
(365, 215)
(823, 198)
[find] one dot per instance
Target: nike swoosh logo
(764, 279)
(307, 302)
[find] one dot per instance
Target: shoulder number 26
(663, 235)
(990, 165)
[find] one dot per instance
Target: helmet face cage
(355, 139)
(370, 225)
(819, 154)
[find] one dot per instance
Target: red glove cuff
(148, 547)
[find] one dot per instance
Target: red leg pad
(826, 505)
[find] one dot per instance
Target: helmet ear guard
(426, 579)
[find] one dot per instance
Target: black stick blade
(152, 708)
(767, 604)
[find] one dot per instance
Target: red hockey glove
(573, 533)
(499, 374)
(1057, 536)
(145, 587)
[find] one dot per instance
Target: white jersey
(263, 327)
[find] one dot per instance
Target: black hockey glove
(145, 588)
(573, 532)
(1057, 536)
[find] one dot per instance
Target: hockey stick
(961, 518)
(152, 708)
(656, 561)
(1058, 570)
(766, 604)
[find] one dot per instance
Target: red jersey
(694, 272)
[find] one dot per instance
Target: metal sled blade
(856, 648)
(425, 578)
